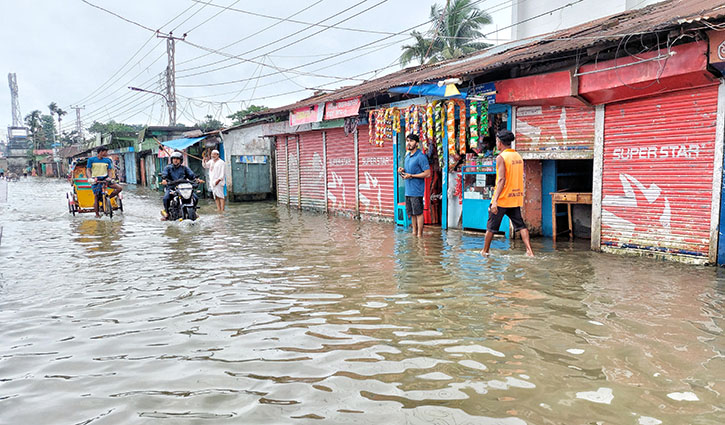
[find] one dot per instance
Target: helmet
(177, 155)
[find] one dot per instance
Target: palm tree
(59, 112)
(32, 120)
(419, 51)
(456, 28)
(53, 110)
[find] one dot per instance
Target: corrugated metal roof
(656, 17)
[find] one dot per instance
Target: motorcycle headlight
(185, 190)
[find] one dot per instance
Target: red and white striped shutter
(546, 129)
(376, 177)
(312, 170)
(281, 158)
(340, 171)
(658, 171)
(294, 171)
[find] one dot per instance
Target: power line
(313, 62)
(214, 16)
(281, 39)
(293, 20)
(256, 33)
(119, 16)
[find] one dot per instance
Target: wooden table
(568, 198)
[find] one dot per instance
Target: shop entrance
(565, 178)
(433, 186)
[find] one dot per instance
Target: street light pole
(172, 120)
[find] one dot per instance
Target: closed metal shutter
(658, 172)
(376, 177)
(566, 131)
(293, 171)
(312, 170)
(282, 180)
(340, 171)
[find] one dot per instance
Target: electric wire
(277, 41)
(294, 21)
(254, 34)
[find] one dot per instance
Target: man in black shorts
(508, 198)
(416, 169)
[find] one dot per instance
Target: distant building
(16, 150)
(532, 18)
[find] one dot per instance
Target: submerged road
(267, 315)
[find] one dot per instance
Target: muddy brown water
(273, 316)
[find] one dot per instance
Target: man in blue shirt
(416, 170)
(99, 168)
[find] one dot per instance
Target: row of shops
(625, 150)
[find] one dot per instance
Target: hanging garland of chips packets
(423, 130)
(371, 123)
(438, 132)
(396, 120)
(379, 126)
(474, 125)
(483, 119)
(461, 126)
(451, 127)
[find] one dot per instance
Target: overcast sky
(71, 53)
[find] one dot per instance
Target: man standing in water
(508, 197)
(217, 178)
(415, 172)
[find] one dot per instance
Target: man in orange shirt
(508, 197)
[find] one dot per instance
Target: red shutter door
(376, 177)
(281, 158)
(293, 167)
(340, 171)
(658, 171)
(312, 170)
(546, 129)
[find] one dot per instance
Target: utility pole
(171, 74)
(13, 82)
(79, 124)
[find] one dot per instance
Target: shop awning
(425, 90)
(181, 144)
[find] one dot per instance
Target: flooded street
(273, 316)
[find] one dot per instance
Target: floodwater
(273, 316)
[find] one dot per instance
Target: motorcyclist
(172, 172)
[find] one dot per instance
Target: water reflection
(269, 315)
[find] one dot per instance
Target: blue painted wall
(548, 185)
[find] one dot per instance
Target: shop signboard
(717, 49)
(342, 108)
(252, 159)
(306, 115)
(487, 91)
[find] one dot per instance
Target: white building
(535, 17)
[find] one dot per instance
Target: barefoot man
(217, 178)
(508, 197)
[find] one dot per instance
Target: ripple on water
(270, 315)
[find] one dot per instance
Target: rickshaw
(80, 200)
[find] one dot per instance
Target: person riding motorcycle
(172, 172)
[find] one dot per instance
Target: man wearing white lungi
(217, 178)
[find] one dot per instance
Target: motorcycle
(183, 203)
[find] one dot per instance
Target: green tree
(242, 116)
(209, 124)
(47, 124)
(113, 127)
(32, 120)
(457, 26)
